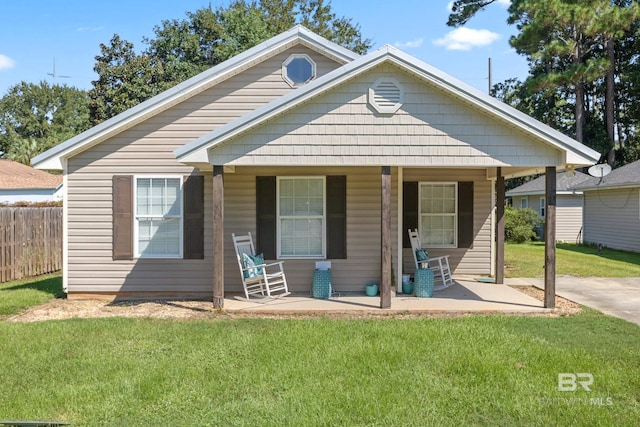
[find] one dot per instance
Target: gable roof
(196, 152)
(52, 159)
(625, 176)
(16, 176)
(564, 184)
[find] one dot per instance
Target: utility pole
(490, 79)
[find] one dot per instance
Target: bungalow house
(568, 202)
(318, 152)
(611, 213)
(22, 183)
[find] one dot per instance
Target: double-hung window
(158, 214)
(438, 214)
(543, 207)
(301, 219)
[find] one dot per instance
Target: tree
(520, 224)
(182, 48)
(125, 79)
(574, 43)
(35, 117)
(244, 26)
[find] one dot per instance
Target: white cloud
(6, 62)
(450, 6)
(410, 44)
(466, 38)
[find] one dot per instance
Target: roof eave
(198, 149)
(604, 186)
(576, 154)
(52, 158)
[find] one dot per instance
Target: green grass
(474, 370)
(527, 260)
(471, 370)
(18, 295)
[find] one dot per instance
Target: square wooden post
(550, 238)
(500, 195)
(385, 280)
(218, 237)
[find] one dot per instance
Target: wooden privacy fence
(30, 242)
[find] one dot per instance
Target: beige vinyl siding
(147, 149)
(612, 218)
(463, 261)
(341, 128)
(362, 265)
(569, 218)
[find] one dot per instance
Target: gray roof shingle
(625, 176)
(537, 186)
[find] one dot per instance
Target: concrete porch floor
(465, 295)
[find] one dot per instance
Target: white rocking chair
(439, 265)
(259, 285)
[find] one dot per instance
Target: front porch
(465, 296)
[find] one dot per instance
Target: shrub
(519, 224)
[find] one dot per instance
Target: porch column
(385, 279)
(218, 237)
(500, 192)
(550, 238)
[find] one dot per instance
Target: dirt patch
(564, 307)
(59, 309)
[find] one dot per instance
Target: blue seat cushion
(250, 262)
(422, 255)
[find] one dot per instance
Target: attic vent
(386, 95)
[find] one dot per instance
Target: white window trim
(136, 248)
(324, 218)
(285, 72)
(455, 214)
(524, 203)
(543, 207)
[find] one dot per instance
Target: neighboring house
(611, 213)
(568, 202)
(22, 183)
(318, 152)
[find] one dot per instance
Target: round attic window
(298, 69)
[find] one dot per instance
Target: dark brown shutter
(337, 217)
(465, 214)
(266, 216)
(193, 244)
(409, 210)
(122, 196)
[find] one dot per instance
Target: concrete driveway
(618, 297)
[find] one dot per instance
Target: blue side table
(321, 287)
(423, 283)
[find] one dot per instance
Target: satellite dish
(600, 170)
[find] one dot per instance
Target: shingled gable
(53, 158)
(198, 152)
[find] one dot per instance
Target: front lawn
(20, 294)
(472, 370)
(527, 260)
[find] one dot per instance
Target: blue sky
(71, 31)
